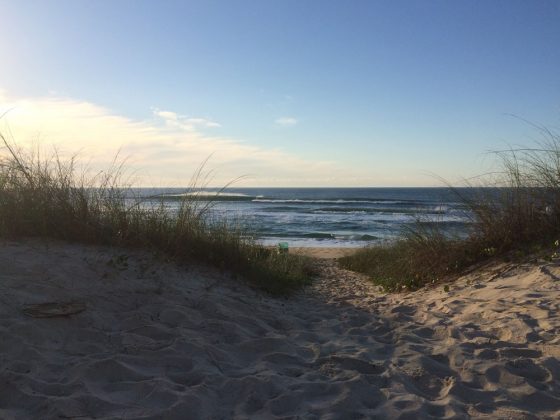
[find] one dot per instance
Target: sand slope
(160, 341)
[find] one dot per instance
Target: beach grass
(47, 196)
(515, 212)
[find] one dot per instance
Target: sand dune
(148, 339)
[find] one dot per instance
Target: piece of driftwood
(53, 309)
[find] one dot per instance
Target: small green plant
(490, 251)
(556, 250)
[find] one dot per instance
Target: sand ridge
(161, 341)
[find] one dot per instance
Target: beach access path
(126, 335)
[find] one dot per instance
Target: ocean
(329, 217)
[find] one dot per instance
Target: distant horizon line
(301, 188)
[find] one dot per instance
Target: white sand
(323, 253)
(159, 341)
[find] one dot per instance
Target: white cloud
(164, 150)
(202, 122)
(166, 115)
(286, 121)
(173, 119)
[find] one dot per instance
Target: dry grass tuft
(48, 197)
(515, 212)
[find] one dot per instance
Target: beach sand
(323, 253)
(147, 339)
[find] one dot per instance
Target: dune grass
(515, 212)
(48, 197)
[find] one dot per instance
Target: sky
(281, 93)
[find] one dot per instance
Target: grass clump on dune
(516, 212)
(48, 197)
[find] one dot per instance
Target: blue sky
(310, 93)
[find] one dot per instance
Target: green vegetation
(49, 197)
(516, 212)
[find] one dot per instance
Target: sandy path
(161, 341)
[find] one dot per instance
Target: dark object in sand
(53, 309)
